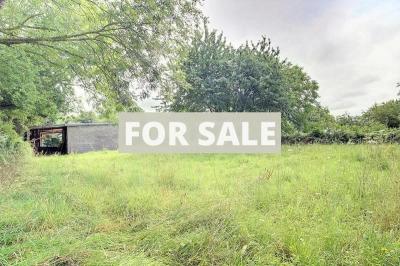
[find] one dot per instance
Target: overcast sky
(351, 48)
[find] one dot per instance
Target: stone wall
(85, 138)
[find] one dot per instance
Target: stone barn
(73, 138)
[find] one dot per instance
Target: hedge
(342, 137)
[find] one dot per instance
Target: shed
(73, 138)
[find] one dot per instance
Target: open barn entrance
(49, 140)
(73, 138)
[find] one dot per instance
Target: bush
(10, 143)
(343, 136)
(13, 151)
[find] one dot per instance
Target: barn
(73, 138)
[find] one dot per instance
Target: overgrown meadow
(309, 205)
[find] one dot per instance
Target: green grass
(310, 205)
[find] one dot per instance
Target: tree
(115, 50)
(387, 113)
(212, 76)
(27, 94)
(201, 76)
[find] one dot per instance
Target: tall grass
(310, 205)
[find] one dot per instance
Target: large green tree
(115, 50)
(211, 75)
(387, 113)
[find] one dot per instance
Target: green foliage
(212, 76)
(201, 76)
(82, 117)
(311, 205)
(27, 94)
(313, 118)
(115, 50)
(355, 135)
(387, 113)
(10, 143)
(91, 116)
(13, 153)
(321, 127)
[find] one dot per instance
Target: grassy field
(310, 205)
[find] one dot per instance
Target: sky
(351, 48)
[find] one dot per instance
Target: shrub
(13, 151)
(9, 143)
(343, 136)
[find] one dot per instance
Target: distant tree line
(379, 124)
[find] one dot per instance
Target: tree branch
(20, 25)
(39, 28)
(83, 36)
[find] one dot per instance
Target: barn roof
(72, 125)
